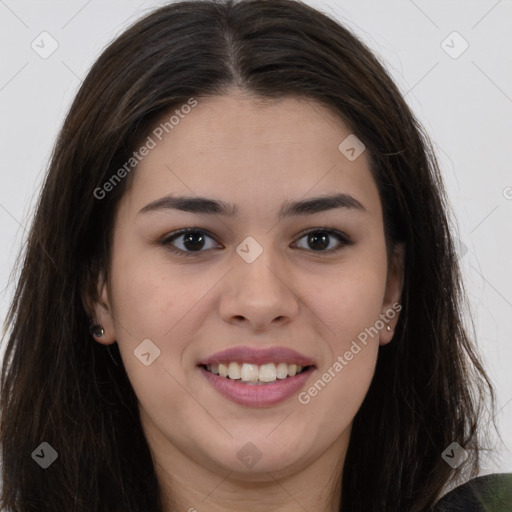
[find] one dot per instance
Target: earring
(389, 328)
(97, 330)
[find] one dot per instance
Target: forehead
(254, 148)
(286, 126)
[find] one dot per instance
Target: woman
(239, 291)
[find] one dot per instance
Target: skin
(257, 154)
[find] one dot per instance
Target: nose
(259, 295)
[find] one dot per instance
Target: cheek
(150, 296)
(155, 302)
(350, 310)
(350, 314)
(350, 299)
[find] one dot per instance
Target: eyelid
(331, 231)
(343, 239)
(167, 240)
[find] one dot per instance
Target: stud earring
(389, 328)
(97, 330)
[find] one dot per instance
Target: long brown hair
(61, 387)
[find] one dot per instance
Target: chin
(251, 462)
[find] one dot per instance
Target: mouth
(257, 377)
(253, 374)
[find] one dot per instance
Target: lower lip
(263, 395)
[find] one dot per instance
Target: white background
(465, 103)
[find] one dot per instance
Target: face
(312, 287)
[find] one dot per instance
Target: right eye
(193, 240)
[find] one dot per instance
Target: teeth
(282, 371)
(223, 370)
(252, 373)
(267, 372)
(234, 371)
(249, 372)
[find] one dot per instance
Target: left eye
(320, 239)
(194, 240)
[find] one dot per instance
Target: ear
(102, 314)
(391, 306)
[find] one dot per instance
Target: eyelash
(167, 241)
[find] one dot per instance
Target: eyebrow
(203, 205)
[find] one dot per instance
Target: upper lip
(259, 356)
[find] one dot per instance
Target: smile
(257, 377)
(255, 374)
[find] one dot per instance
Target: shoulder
(489, 493)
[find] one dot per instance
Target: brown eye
(192, 241)
(319, 240)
